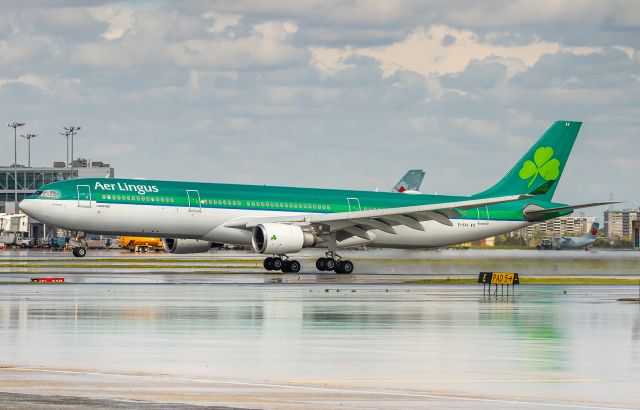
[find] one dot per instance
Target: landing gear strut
(333, 262)
(286, 265)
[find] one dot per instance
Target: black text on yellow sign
(502, 278)
(498, 278)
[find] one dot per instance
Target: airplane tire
(268, 263)
(286, 266)
(347, 267)
(74, 251)
(294, 266)
(330, 264)
(276, 264)
(80, 252)
(321, 264)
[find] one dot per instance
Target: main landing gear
(286, 265)
(333, 262)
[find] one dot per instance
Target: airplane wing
(533, 212)
(357, 223)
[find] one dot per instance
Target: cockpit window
(37, 193)
(49, 193)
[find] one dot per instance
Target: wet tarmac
(244, 339)
(372, 266)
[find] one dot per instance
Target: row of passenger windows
(263, 204)
(224, 202)
(137, 198)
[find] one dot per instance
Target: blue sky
(327, 94)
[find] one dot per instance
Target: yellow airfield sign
(498, 278)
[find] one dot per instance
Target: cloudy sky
(318, 93)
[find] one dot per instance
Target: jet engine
(172, 245)
(278, 239)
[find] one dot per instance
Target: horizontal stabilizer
(535, 212)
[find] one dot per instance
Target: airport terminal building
(30, 179)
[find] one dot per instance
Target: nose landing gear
(79, 251)
(286, 265)
(333, 262)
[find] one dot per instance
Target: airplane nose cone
(36, 209)
(27, 206)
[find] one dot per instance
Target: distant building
(618, 224)
(30, 179)
(563, 226)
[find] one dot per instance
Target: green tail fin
(539, 170)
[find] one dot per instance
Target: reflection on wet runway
(541, 345)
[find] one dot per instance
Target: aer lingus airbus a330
(278, 221)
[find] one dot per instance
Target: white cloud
(29, 79)
(267, 45)
(629, 51)
(442, 50)
(120, 19)
(221, 21)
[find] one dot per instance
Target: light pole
(28, 138)
(72, 130)
(66, 134)
(15, 125)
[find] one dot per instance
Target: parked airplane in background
(410, 182)
(577, 242)
(280, 220)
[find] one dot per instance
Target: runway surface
(243, 339)
(372, 266)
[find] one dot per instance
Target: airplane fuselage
(203, 211)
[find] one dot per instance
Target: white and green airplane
(279, 221)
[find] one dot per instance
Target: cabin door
(84, 196)
(354, 204)
(194, 200)
(483, 215)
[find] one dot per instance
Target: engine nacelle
(278, 239)
(172, 245)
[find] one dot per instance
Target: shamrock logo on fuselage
(273, 237)
(545, 165)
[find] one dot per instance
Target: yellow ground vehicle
(141, 243)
